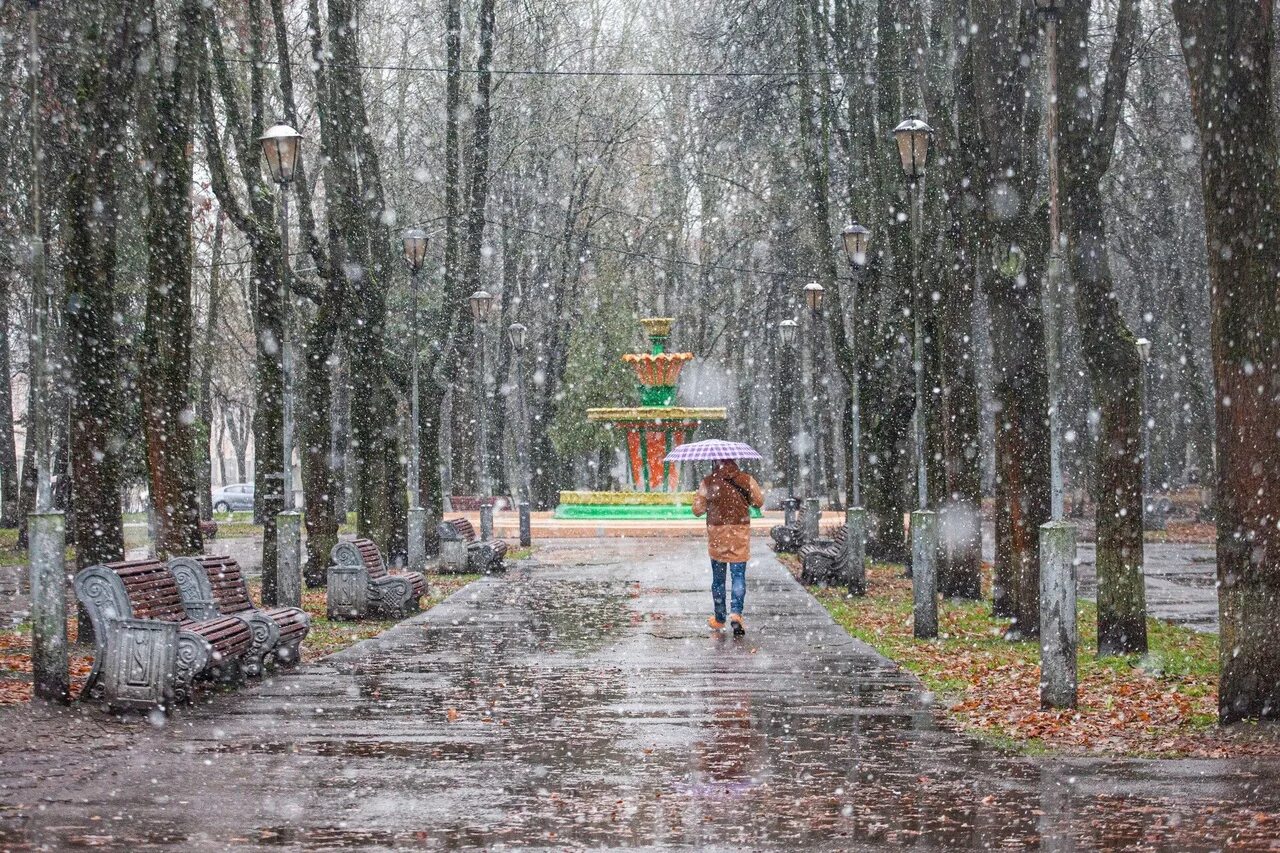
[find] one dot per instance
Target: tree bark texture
(112, 43)
(360, 252)
(1228, 49)
(1087, 138)
(9, 488)
(1022, 448)
(959, 566)
(165, 379)
(1011, 245)
(204, 387)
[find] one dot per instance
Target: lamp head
(813, 295)
(913, 135)
(481, 305)
(415, 248)
(787, 329)
(280, 146)
(856, 239)
(517, 332)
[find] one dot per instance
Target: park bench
(213, 585)
(789, 538)
(359, 584)
(462, 551)
(148, 648)
(823, 560)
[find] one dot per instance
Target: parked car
(235, 496)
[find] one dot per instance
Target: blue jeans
(739, 594)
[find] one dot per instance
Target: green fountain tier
(652, 429)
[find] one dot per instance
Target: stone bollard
(924, 573)
(417, 533)
(812, 518)
(289, 559)
(526, 525)
(47, 552)
(453, 551)
(1059, 635)
(855, 571)
(789, 507)
(486, 521)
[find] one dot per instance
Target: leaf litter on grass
(1162, 704)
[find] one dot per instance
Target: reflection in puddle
(588, 707)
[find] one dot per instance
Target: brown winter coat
(726, 496)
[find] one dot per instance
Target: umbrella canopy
(711, 449)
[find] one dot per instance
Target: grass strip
(1162, 704)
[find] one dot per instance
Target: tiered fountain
(652, 429)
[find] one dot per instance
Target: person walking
(725, 497)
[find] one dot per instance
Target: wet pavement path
(580, 702)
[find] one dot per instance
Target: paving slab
(581, 701)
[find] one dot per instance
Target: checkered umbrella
(711, 449)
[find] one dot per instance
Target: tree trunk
(478, 191)
(268, 416)
(1022, 439)
(91, 216)
(960, 564)
(166, 352)
(8, 453)
(318, 486)
(1004, 122)
(1086, 142)
(1228, 49)
(204, 406)
(359, 251)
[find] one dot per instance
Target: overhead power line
(569, 72)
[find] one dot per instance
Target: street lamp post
(481, 306)
(518, 333)
(415, 257)
(787, 331)
(280, 146)
(1057, 537)
(856, 239)
(813, 293)
(912, 136)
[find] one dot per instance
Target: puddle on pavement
(558, 711)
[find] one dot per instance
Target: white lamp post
(787, 330)
(481, 306)
(856, 239)
(415, 257)
(912, 136)
(280, 148)
(813, 293)
(518, 333)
